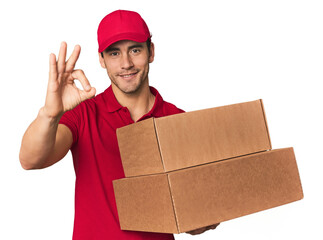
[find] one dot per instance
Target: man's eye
(135, 50)
(114, 54)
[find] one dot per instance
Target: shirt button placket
(126, 115)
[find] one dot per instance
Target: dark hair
(148, 42)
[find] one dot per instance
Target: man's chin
(130, 89)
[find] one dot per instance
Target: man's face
(127, 64)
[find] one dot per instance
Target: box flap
(144, 204)
(199, 137)
(139, 149)
(216, 192)
(265, 118)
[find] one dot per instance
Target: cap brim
(123, 36)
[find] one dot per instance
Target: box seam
(218, 161)
(158, 143)
(173, 203)
(221, 160)
(266, 124)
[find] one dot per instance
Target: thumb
(79, 75)
(88, 91)
(87, 94)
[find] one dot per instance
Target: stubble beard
(142, 76)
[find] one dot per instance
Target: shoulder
(166, 108)
(170, 108)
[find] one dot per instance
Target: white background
(207, 55)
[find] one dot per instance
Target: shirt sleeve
(72, 120)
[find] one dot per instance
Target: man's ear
(152, 52)
(101, 60)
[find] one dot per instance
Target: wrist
(44, 114)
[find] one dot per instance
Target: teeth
(128, 75)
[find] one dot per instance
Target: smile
(128, 75)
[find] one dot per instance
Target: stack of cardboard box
(195, 169)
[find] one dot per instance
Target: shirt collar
(113, 104)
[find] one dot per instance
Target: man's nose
(126, 62)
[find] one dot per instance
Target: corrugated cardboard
(199, 196)
(159, 145)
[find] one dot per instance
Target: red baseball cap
(121, 25)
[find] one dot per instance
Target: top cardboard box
(159, 145)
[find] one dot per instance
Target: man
(74, 119)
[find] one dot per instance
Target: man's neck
(138, 103)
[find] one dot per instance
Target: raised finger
(61, 58)
(70, 64)
(79, 75)
(52, 67)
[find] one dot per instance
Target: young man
(74, 119)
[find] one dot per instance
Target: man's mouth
(128, 75)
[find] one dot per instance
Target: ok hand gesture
(62, 93)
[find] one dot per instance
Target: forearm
(38, 141)
(45, 141)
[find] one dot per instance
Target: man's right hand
(62, 93)
(46, 141)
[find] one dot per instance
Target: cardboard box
(159, 145)
(199, 196)
(195, 169)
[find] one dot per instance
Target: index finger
(61, 58)
(70, 64)
(52, 67)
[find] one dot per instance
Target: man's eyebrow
(111, 49)
(136, 46)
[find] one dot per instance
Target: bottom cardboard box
(203, 195)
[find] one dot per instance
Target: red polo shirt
(97, 163)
